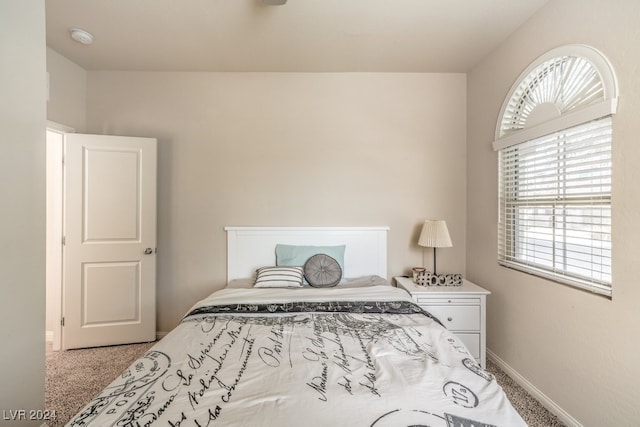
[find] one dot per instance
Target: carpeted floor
(75, 376)
(529, 409)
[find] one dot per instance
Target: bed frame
(251, 247)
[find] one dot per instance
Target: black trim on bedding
(377, 307)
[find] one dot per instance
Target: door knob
(148, 251)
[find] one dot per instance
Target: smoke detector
(81, 36)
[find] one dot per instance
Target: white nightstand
(462, 309)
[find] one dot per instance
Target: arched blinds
(566, 86)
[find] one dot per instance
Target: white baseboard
(545, 401)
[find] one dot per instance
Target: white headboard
(249, 248)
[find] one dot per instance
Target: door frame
(54, 218)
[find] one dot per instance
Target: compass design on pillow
(322, 271)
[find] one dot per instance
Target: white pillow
(279, 277)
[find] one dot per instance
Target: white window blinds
(555, 206)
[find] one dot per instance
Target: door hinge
(62, 322)
(64, 240)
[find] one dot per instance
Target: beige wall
(290, 149)
(67, 104)
(22, 120)
(579, 349)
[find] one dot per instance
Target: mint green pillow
(296, 256)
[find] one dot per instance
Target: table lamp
(435, 235)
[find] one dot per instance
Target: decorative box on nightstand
(462, 309)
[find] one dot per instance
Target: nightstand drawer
(430, 300)
(457, 318)
(472, 342)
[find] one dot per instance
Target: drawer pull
(449, 319)
(449, 301)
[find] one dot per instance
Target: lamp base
(416, 272)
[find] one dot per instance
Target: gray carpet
(529, 409)
(75, 376)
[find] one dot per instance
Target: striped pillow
(279, 277)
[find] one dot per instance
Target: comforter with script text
(312, 357)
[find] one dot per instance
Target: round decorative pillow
(322, 271)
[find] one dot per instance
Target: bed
(357, 352)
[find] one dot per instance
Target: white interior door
(109, 267)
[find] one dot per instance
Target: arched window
(554, 141)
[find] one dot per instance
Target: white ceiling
(300, 36)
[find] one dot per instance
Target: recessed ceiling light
(81, 36)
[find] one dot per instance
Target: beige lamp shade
(435, 234)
